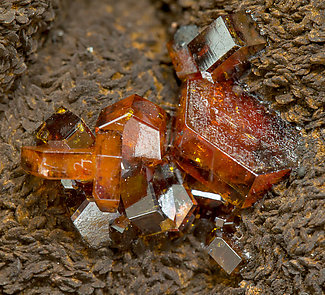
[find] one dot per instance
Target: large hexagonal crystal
(227, 140)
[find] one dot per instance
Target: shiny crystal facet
(229, 142)
(176, 202)
(93, 224)
(65, 129)
(145, 213)
(223, 254)
(225, 45)
(121, 223)
(203, 195)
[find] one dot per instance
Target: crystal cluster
(228, 150)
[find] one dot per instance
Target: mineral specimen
(229, 142)
(223, 138)
(219, 51)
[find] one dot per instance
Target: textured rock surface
(102, 51)
(22, 23)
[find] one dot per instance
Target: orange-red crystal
(229, 141)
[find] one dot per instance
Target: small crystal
(68, 183)
(121, 223)
(219, 222)
(145, 213)
(225, 45)
(230, 143)
(155, 199)
(65, 128)
(176, 202)
(93, 224)
(224, 255)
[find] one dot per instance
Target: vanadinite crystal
(58, 163)
(229, 142)
(65, 129)
(162, 204)
(183, 61)
(219, 51)
(64, 149)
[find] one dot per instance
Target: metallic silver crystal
(224, 255)
(212, 44)
(145, 214)
(93, 224)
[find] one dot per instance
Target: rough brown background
(92, 53)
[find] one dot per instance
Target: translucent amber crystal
(130, 133)
(229, 142)
(225, 44)
(51, 163)
(106, 187)
(65, 128)
(183, 61)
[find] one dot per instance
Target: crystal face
(220, 51)
(222, 253)
(229, 142)
(93, 224)
(159, 201)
